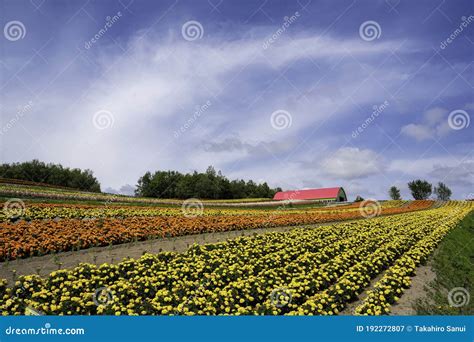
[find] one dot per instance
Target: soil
(404, 306)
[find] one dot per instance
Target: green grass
(453, 264)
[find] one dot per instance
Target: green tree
(442, 192)
(420, 189)
(210, 184)
(52, 174)
(394, 193)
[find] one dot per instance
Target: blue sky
(359, 94)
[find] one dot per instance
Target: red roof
(307, 194)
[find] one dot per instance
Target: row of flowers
(407, 249)
(37, 211)
(24, 239)
(303, 271)
(397, 278)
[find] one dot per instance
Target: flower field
(55, 228)
(306, 271)
(36, 211)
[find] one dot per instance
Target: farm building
(323, 194)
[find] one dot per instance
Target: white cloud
(434, 115)
(126, 189)
(351, 163)
(419, 166)
(419, 132)
(461, 174)
(153, 89)
(453, 170)
(434, 124)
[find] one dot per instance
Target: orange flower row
(38, 237)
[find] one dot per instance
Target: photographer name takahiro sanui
(439, 328)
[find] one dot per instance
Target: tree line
(173, 184)
(53, 174)
(422, 189)
(209, 185)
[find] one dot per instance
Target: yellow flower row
(34, 211)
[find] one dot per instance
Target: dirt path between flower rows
(404, 306)
(424, 275)
(44, 265)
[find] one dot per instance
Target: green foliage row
(53, 174)
(208, 185)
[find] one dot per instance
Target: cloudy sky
(359, 94)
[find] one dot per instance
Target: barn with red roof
(323, 194)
